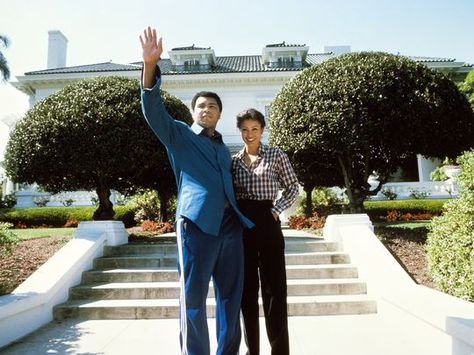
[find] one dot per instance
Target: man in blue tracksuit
(209, 225)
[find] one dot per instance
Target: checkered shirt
(262, 180)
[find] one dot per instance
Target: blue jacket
(202, 165)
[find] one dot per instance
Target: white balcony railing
(430, 189)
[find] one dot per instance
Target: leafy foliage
(91, 135)
(467, 87)
(315, 221)
(450, 243)
(389, 193)
(8, 239)
(4, 68)
(159, 227)
(369, 112)
(324, 202)
(147, 205)
(8, 201)
(438, 174)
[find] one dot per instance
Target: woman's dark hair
(207, 94)
(250, 114)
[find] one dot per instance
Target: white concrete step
(171, 289)
(161, 260)
(325, 271)
(291, 245)
(141, 281)
(169, 308)
(310, 258)
(140, 249)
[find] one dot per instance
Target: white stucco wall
(235, 98)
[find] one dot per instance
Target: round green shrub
(450, 244)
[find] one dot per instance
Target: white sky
(103, 30)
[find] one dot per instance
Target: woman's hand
(275, 215)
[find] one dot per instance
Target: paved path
(389, 332)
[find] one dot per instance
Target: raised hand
(151, 46)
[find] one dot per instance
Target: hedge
(450, 244)
(60, 216)
(378, 209)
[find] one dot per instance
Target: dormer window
(192, 58)
(191, 64)
(283, 55)
(287, 62)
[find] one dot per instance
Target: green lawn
(403, 224)
(33, 233)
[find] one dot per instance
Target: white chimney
(57, 48)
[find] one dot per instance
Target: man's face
(206, 112)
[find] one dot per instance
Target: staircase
(140, 281)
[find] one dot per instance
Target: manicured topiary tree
(91, 135)
(467, 87)
(450, 243)
(368, 113)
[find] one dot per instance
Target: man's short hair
(250, 114)
(207, 94)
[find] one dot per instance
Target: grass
(404, 224)
(34, 233)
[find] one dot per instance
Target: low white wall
(30, 305)
(27, 198)
(432, 189)
(387, 280)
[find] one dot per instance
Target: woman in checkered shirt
(259, 172)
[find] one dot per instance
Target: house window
(286, 62)
(191, 64)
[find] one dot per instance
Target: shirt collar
(216, 137)
(262, 150)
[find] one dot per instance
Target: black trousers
(264, 250)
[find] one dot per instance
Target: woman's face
(251, 131)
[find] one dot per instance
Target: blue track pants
(201, 257)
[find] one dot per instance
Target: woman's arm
(288, 181)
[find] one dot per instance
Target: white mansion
(241, 81)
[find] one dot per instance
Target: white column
(426, 166)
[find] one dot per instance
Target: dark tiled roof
(283, 44)
(227, 64)
(431, 59)
(190, 48)
(319, 58)
(100, 67)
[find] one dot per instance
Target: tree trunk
(354, 194)
(356, 200)
(105, 211)
(164, 208)
(165, 198)
(309, 201)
